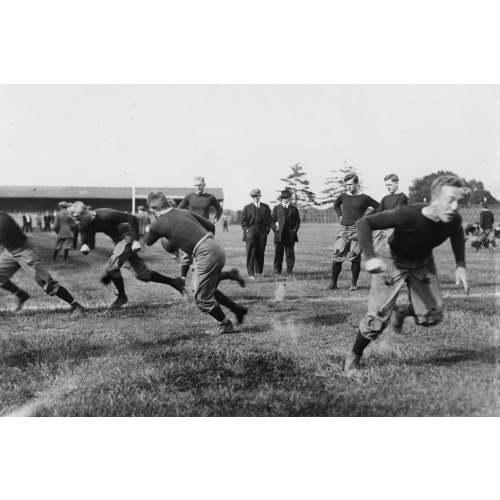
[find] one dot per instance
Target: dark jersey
(200, 204)
(117, 225)
(486, 220)
(392, 201)
(11, 235)
(415, 235)
(182, 228)
(353, 207)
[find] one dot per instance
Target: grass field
(152, 358)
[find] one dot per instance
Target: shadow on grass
(325, 319)
(453, 356)
(52, 356)
(240, 370)
(473, 305)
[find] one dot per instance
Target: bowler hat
(285, 194)
(255, 192)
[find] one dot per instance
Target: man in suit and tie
(285, 224)
(256, 224)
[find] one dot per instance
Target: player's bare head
(445, 180)
(351, 177)
(140, 208)
(446, 193)
(351, 182)
(391, 182)
(62, 204)
(79, 211)
(157, 201)
(199, 183)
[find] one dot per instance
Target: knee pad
(371, 327)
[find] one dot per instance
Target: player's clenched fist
(375, 265)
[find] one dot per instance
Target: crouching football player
(418, 229)
(123, 229)
(193, 234)
(20, 252)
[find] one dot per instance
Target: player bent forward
(123, 229)
(418, 229)
(193, 234)
(20, 252)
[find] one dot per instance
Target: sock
(336, 268)
(360, 344)
(10, 287)
(54, 257)
(218, 314)
(185, 270)
(119, 284)
(160, 278)
(63, 294)
(355, 270)
(66, 254)
(411, 311)
(224, 300)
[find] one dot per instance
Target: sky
(241, 137)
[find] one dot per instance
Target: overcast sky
(244, 136)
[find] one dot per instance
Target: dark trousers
(256, 247)
(286, 246)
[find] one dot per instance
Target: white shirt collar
(256, 203)
(164, 211)
(285, 204)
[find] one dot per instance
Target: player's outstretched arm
(461, 277)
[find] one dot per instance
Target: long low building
(33, 199)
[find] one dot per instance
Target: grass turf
(152, 358)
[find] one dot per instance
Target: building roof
(73, 193)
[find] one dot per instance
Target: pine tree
(298, 185)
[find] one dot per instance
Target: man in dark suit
(256, 224)
(285, 224)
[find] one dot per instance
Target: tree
(476, 193)
(298, 185)
(335, 184)
(420, 190)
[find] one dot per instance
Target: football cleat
(77, 310)
(222, 328)
(121, 300)
(19, 299)
(240, 314)
(235, 275)
(351, 362)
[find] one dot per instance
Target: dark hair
(391, 177)
(157, 201)
(445, 180)
(354, 177)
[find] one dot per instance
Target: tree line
(419, 190)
